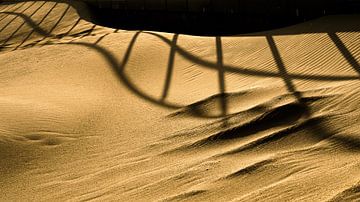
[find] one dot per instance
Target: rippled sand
(93, 113)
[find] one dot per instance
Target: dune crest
(94, 113)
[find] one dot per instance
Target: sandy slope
(88, 112)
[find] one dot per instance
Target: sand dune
(92, 113)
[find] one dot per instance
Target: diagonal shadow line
(281, 67)
(6, 6)
(345, 52)
(73, 27)
(16, 6)
(230, 69)
(7, 9)
(227, 68)
(128, 52)
(37, 25)
(12, 20)
(119, 68)
(240, 70)
(56, 24)
(32, 24)
(90, 31)
(100, 39)
(170, 67)
(13, 34)
(60, 19)
(317, 128)
(221, 76)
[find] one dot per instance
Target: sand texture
(93, 113)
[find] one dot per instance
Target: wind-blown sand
(93, 113)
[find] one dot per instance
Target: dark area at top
(119, 65)
(213, 17)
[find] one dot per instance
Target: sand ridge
(94, 113)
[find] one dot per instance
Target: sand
(92, 113)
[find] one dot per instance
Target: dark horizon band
(213, 17)
(248, 7)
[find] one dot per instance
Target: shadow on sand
(288, 78)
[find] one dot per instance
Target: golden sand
(93, 113)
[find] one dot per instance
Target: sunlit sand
(94, 113)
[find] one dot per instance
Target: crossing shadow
(288, 78)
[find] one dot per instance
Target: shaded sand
(92, 113)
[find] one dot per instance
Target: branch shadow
(56, 24)
(11, 21)
(219, 66)
(13, 34)
(317, 129)
(170, 67)
(12, 10)
(73, 27)
(221, 77)
(281, 68)
(345, 52)
(36, 28)
(240, 70)
(37, 25)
